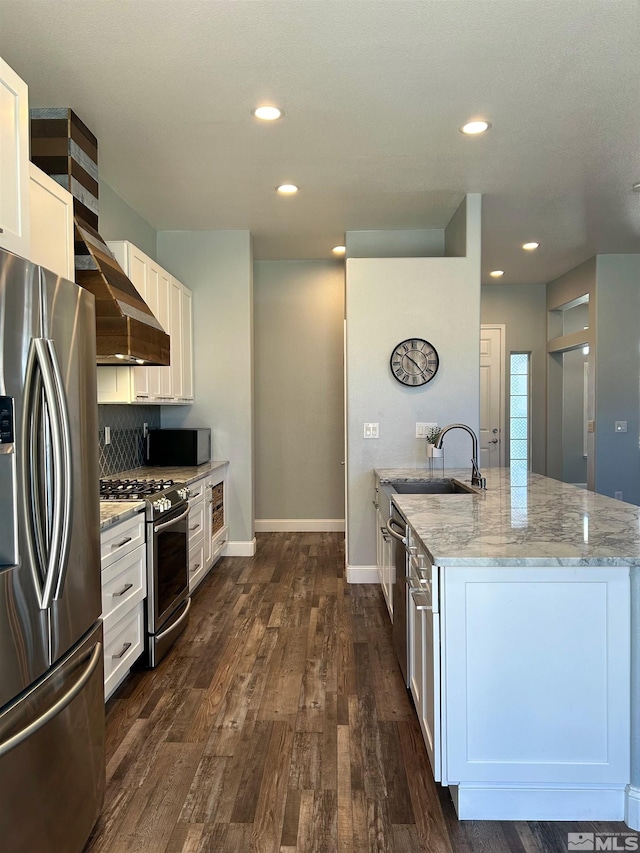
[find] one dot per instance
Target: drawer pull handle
(124, 589)
(191, 494)
(125, 649)
(195, 527)
(120, 544)
(195, 568)
(421, 600)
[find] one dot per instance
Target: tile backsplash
(127, 436)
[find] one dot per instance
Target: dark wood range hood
(126, 330)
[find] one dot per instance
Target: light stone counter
(181, 474)
(541, 523)
(113, 512)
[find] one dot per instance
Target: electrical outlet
(107, 435)
(422, 429)
(371, 430)
(620, 426)
(618, 495)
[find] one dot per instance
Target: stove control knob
(184, 493)
(157, 505)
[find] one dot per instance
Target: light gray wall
(617, 456)
(217, 266)
(523, 311)
(455, 234)
(299, 389)
(387, 301)
(419, 243)
(118, 221)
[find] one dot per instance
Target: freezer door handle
(59, 706)
(66, 474)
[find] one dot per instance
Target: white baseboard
(531, 802)
(632, 807)
(240, 549)
(299, 525)
(362, 574)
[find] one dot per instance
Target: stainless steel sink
(433, 487)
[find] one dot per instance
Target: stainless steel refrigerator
(52, 772)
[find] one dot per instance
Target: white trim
(632, 807)
(240, 549)
(362, 574)
(531, 802)
(299, 525)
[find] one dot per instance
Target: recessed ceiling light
(473, 128)
(339, 250)
(529, 247)
(267, 112)
(496, 273)
(287, 189)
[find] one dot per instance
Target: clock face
(414, 362)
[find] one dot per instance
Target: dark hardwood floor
(279, 723)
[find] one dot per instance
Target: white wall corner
(299, 525)
(362, 574)
(240, 549)
(632, 807)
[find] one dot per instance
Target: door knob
(493, 441)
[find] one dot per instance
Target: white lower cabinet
(207, 524)
(124, 589)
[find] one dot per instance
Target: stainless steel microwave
(179, 446)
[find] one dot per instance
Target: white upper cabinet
(14, 163)
(168, 299)
(187, 344)
(51, 214)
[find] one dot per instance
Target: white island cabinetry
(384, 545)
(520, 646)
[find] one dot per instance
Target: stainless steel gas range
(168, 602)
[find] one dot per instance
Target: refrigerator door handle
(59, 706)
(66, 473)
(61, 486)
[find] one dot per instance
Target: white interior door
(492, 395)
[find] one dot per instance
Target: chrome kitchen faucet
(476, 477)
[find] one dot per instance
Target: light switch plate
(107, 435)
(422, 429)
(371, 430)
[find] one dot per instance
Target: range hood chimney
(126, 330)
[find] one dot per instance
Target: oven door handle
(160, 527)
(177, 622)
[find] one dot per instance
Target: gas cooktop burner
(125, 490)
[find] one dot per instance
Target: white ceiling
(374, 93)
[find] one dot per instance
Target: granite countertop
(113, 512)
(542, 522)
(181, 474)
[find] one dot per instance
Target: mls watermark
(603, 841)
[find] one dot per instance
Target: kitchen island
(521, 661)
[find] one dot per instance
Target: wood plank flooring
(279, 723)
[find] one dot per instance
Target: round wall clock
(414, 362)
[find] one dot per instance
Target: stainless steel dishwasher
(397, 527)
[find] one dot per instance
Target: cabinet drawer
(120, 539)
(196, 523)
(196, 564)
(196, 490)
(124, 584)
(123, 645)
